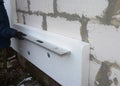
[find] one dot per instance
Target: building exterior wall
(93, 21)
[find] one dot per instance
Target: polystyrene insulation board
(64, 59)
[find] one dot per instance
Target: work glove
(20, 35)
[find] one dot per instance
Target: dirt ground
(17, 76)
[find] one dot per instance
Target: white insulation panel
(64, 59)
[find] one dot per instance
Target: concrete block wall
(94, 21)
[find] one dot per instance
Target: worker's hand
(20, 35)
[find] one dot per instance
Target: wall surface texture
(93, 21)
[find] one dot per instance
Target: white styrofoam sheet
(69, 69)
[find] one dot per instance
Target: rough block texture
(64, 27)
(90, 8)
(22, 5)
(20, 18)
(34, 21)
(46, 5)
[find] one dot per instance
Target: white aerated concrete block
(64, 27)
(22, 5)
(90, 8)
(45, 6)
(34, 21)
(20, 17)
(106, 42)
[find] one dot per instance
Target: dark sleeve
(7, 32)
